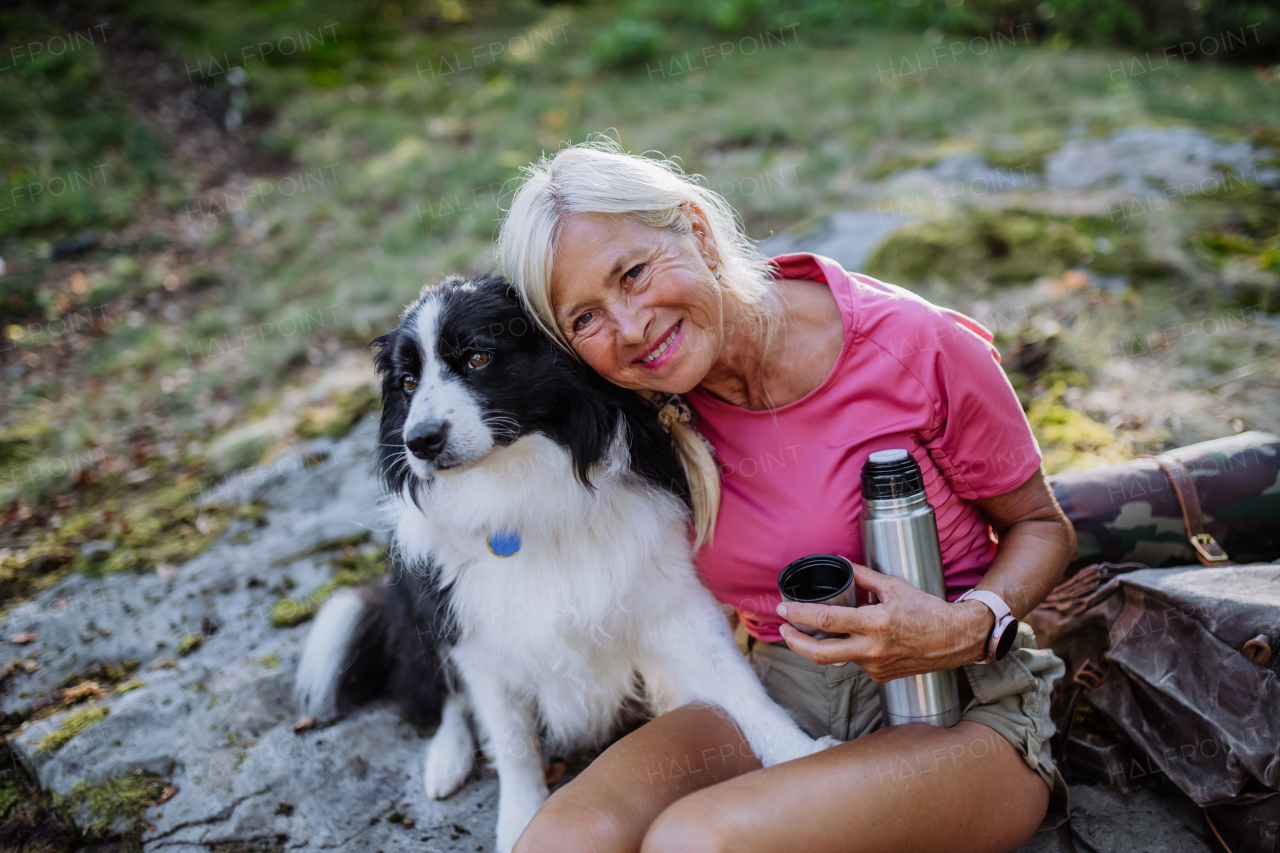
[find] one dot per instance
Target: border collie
(542, 580)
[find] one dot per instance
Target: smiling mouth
(657, 351)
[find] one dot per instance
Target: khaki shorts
(1011, 696)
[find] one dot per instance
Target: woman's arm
(910, 631)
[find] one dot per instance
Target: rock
(245, 445)
(1142, 159)
(98, 549)
(68, 247)
(218, 725)
(848, 237)
(1155, 821)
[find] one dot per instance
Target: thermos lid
(891, 474)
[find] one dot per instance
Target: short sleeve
(980, 439)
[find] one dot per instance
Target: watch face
(1006, 640)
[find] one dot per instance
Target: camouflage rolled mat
(1129, 513)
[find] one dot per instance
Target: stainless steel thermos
(900, 536)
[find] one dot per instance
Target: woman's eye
(409, 384)
(478, 359)
(582, 321)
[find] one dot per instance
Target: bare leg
(917, 788)
(610, 805)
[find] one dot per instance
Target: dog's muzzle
(426, 440)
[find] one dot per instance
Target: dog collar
(504, 543)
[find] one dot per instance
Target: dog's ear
(385, 347)
(588, 422)
(395, 471)
(653, 451)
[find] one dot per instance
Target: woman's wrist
(976, 624)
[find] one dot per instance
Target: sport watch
(1006, 627)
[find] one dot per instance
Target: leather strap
(1207, 549)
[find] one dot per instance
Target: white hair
(597, 177)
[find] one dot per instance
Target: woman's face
(640, 305)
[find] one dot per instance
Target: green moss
(189, 643)
(29, 820)
(10, 795)
(1001, 247)
(353, 566)
(121, 800)
(1069, 439)
(72, 725)
(163, 525)
(337, 418)
(342, 543)
(131, 684)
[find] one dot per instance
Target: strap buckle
(1208, 548)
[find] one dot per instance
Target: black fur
(531, 382)
(530, 386)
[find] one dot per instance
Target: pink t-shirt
(910, 374)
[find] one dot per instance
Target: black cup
(819, 579)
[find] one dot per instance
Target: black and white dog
(542, 576)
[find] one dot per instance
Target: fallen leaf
(303, 724)
(24, 637)
(83, 690)
(167, 794)
(166, 571)
(408, 821)
(30, 665)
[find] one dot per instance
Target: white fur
(603, 588)
(450, 755)
(316, 685)
(442, 397)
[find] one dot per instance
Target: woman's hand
(909, 632)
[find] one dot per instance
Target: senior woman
(797, 371)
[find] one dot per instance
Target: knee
(572, 828)
(687, 828)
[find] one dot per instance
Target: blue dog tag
(505, 543)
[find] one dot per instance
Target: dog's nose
(426, 440)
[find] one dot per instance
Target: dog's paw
(450, 759)
(514, 813)
(788, 746)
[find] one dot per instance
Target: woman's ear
(700, 228)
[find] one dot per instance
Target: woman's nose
(630, 323)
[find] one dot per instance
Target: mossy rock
(72, 725)
(30, 820)
(116, 808)
(353, 566)
(976, 247)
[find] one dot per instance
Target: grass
(190, 345)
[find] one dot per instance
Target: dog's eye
(478, 359)
(410, 384)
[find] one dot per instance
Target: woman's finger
(852, 648)
(833, 620)
(873, 581)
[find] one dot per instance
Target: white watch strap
(998, 608)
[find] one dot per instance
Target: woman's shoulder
(890, 314)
